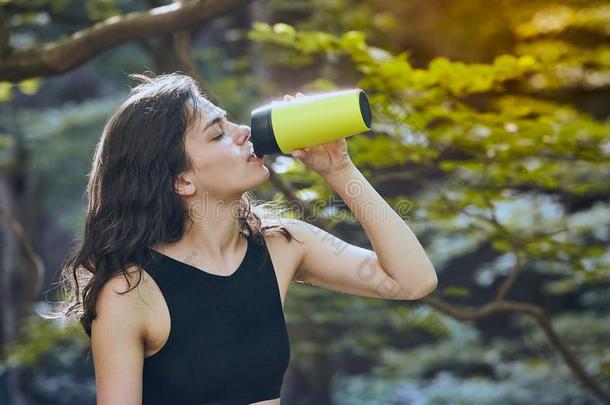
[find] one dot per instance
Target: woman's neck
(213, 227)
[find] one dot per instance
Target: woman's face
(220, 154)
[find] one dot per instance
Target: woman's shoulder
(295, 227)
(122, 297)
(299, 229)
(287, 253)
(132, 288)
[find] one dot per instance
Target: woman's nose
(244, 134)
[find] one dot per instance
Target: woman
(185, 281)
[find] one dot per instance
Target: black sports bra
(228, 342)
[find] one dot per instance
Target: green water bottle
(280, 127)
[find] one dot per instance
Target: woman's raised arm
(398, 268)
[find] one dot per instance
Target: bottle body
(281, 127)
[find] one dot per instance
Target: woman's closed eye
(219, 136)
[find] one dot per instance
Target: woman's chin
(262, 174)
(268, 174)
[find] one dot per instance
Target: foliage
(520, 369)
(496, 166)
(492, 157)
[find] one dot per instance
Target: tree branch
(60, 56)
(510, 280)
(469, 314)
(500, 305)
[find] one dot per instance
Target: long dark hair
(132, 204)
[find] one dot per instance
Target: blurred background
(490, 136)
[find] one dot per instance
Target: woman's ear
(183, 185)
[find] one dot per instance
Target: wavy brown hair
(132, 204)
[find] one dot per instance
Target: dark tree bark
(63, 55)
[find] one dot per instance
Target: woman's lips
(255, 157)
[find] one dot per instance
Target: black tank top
(228, 342)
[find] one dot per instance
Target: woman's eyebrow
(216, 120)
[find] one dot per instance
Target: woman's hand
(326, 158)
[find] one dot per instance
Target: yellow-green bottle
(281, 127)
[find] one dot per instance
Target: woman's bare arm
(118, 336)
(398, 268)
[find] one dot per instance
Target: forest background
(491, 138)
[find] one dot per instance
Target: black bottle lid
(263, 138)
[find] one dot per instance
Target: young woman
(185, 280)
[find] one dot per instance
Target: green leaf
(5, 91)
(29, 86)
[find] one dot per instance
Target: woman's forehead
(207, 111)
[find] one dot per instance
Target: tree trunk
(20, 281)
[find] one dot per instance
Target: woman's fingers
(288, 97)
(298, 153)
